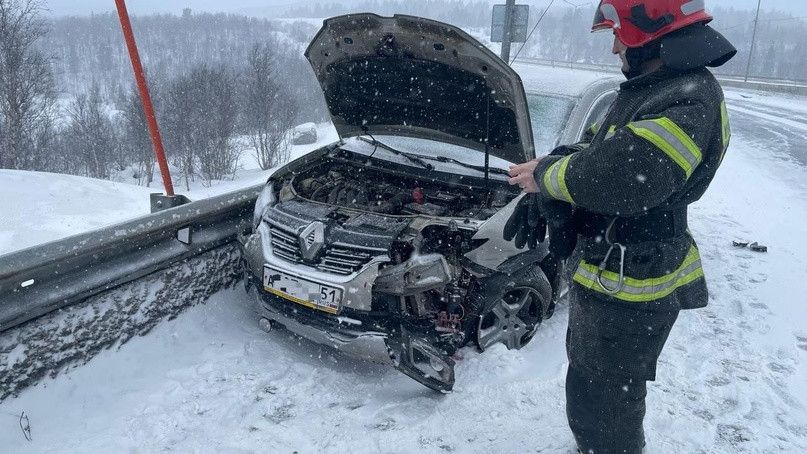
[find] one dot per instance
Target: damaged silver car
(387, 245)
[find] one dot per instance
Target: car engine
(383, 193)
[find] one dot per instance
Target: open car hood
(416, 77)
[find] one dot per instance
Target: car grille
(337, 260)
(285, 246)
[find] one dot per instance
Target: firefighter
(618, 206)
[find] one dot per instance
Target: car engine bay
(370, 189)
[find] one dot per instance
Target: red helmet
(637, 22)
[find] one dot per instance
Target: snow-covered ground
(731, 378)
(39, 207)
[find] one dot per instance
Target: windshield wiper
(413, 158)
(471, 166)
(419, 159)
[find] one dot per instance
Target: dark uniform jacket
(656, 152)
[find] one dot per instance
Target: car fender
(498, 254)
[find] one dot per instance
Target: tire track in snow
(737, 387)
(770, 134)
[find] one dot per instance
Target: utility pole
(753, 41)
(510, 6)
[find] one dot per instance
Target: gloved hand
(562, 232)
(527, 224)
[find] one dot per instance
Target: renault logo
(312, 240)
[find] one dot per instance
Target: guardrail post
(163, 202)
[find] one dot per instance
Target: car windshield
(442, 149)
(549, 115)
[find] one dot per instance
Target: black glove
(527, 225)
(562, 232)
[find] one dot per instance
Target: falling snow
(730, 379)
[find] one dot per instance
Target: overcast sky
(81, 7)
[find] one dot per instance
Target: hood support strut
(487, 146)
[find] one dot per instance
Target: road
(779, 127)
(613, 68)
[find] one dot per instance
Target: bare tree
(179, 129)
(135, 134)
(91, 135)
(219, 158)
(200, 123)
(269, 110)
(27, 90)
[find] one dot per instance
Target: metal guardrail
(48, 277)
(753, 81)
(570, 65)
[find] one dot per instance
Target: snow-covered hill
(40, 207)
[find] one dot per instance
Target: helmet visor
(606, 18)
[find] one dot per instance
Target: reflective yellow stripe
(564, 163)
(611, 132)
(595, 128)
(643, 290)
(555, 180)
(724, 117)
(300, 301)
(548, 181)
(672, 140)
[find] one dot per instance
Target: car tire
(511, 308)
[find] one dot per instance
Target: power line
(765, 20)
(786, 18)
(576, 5)
(532, 31)
(738, 25)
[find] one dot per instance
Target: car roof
(564, 81)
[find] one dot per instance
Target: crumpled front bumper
(410, 354)
(257, 252)
(413, 356)
(323, 329)
(341, 333)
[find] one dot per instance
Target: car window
(597, 113)
(549, 115)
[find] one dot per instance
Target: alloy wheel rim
(512, 320)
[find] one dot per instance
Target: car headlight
(265, 200)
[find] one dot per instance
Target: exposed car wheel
(514, 310)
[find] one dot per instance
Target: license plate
(302, 291)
